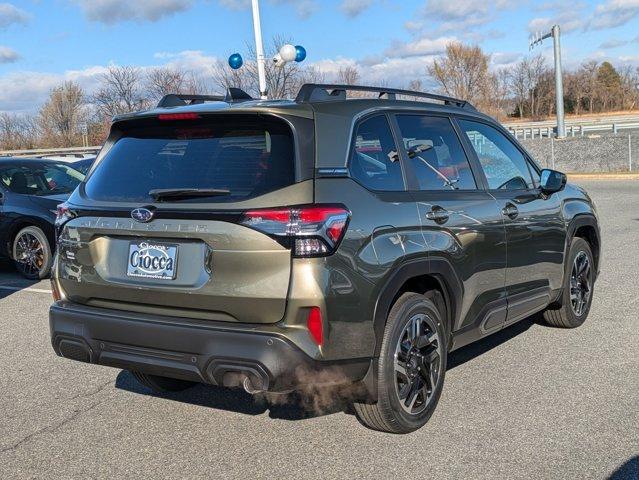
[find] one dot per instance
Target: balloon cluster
(288, 53)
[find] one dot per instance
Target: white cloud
(303, 8)
(28, 90)
(352, 8)
(395, 72)
(504, 58)
(461, 18)
(614, 13)
(8, 55)
(448, 10)
(567, 20)
(115, 11)
(10, 15)
(419, 47)
(609, 44)
(236, 4)
(413, 26)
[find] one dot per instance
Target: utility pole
(537, 39)
(259, 49)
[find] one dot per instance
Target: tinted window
(246, 155)
(436, 153)
(374, 162)
(40, 178)
(83, 165)
(504, 165)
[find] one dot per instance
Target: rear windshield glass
(40, 179)
(241, 157)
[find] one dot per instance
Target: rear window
(247, 155)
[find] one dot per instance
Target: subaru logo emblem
(142, 215)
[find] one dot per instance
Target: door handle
(438, 215)
(510, 211)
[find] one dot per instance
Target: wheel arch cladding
(585, 226)
(420, 276)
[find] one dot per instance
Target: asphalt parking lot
(530, 402)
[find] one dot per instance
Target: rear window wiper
(186, 193)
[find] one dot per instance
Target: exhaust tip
(250, 388)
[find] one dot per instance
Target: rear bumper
(191, 350)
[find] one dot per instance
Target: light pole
(537, 39)
(259, 49)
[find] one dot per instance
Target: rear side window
(436, 154)
(40, 179)
(505, 166)
(375, 161)
(247, 156)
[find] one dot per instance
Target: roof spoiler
(314, 92)
(233, 95)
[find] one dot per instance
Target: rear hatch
(160, 226)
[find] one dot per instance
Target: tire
(573, 313)
(32, 254)
(390, 413)
(162, 384)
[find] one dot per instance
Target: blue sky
(43, 42)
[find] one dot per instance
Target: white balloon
(288, 53)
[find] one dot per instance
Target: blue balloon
(301, 53)
(236, 61)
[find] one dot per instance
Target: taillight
(315, 325)
(310, 231)
(62, 215)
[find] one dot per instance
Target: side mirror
(552, 181)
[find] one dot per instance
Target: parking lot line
(23, 289)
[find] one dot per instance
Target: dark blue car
(30, 191)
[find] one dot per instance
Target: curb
(603, 176)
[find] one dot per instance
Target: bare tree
(18, 131)
(61, 115)
(518, 80)
(225, 77)
(588, 75)
(415, 85)
(164, 80)
(462, 72)
(120, 92)
(348, 75)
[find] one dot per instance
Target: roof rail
(180, 100)
(315, 92)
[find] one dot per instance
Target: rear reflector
(172, 117)
(315, 325)
(55, 291)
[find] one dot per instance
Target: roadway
(530, 402)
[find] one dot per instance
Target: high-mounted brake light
(310, 231)
(172, 117)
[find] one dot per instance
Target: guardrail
(51, 152)
(571, 130)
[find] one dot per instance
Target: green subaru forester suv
(326, 240)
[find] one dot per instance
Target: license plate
(152, 260)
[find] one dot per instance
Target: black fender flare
(437, 267)
(578, 221)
